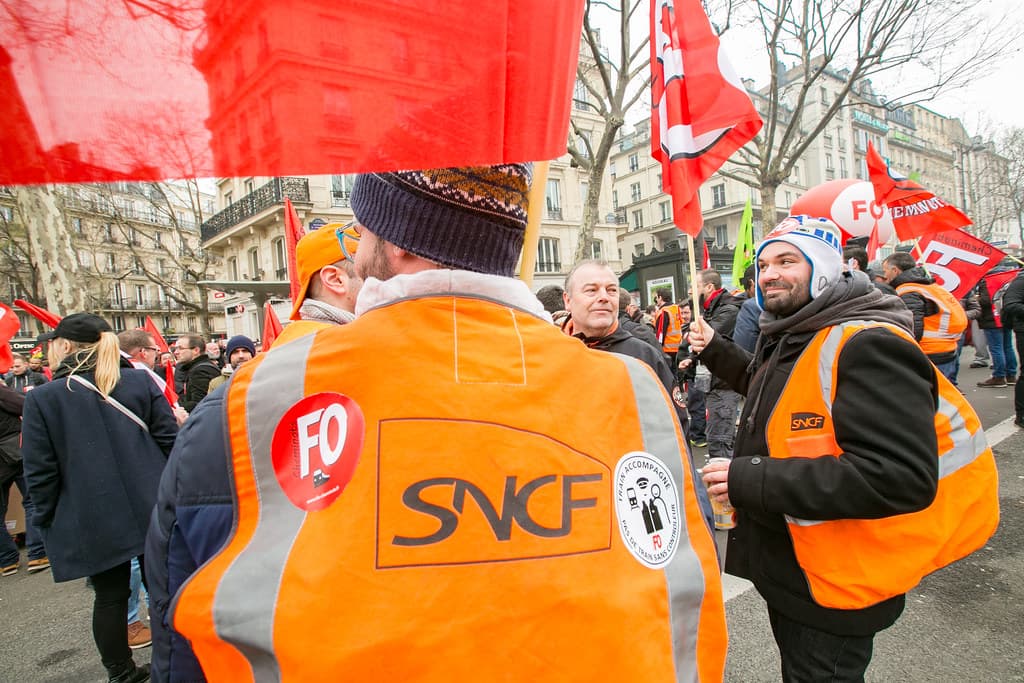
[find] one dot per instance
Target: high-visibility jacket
(672, 334)
(943, 329)
(421, 508)
(855, 563)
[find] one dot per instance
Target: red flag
(280, 88)
(169, 392)
(9, 325)
(873, 245)
(706, 262)
(158, 338)
(915, 210)
(994, 283)
(293, 232)
(700, 111)
(958, 259)
(40, 314)
(272, 328)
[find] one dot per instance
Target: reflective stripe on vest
(298, 596)
(942, 330)
(962, 517)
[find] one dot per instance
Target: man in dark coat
(1013, 318)
(12, 472)
(21, 377)
(637, 329)
(196, 368)
(886, 466)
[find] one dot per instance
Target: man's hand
(180, 414)
(701, 334)
(716, 479)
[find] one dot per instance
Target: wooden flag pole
(693, 278)
(528, 261)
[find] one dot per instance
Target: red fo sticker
(316, 447)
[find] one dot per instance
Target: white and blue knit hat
(819, 240)
(471, 218)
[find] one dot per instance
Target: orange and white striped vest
(855, 563)
(674, 334)
(451, 506)
(943, 329)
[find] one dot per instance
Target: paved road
(963, 622)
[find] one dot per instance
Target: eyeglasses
(348, 238)
(151, 348)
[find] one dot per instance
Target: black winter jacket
(641, 331)
(11, 404)
(197, 373)
(721, 315)
(888, 466)
(1013, 304)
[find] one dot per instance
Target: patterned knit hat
(471, 218)
(818, 239)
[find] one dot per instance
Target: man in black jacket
(640, 330)
(885, 466)
(195, 368)
(720, 310)
(1013, 318)
(12, 472)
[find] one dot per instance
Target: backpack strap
(112, 401)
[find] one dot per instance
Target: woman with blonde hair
(95, 441)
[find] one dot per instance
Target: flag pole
(529, 257)
(693, 277)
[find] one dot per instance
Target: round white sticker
(647, 505)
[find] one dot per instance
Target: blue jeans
(1000, 348)
(949, 369)
(136, 587)
(8, 549)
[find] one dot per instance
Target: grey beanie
(470, 218)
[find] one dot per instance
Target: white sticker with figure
(647, 507)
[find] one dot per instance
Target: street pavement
(964, 622)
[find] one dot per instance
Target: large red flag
(293, 232)
(279, 88)
(9, 325)
(994, 283)
(700, 111)
(272, 328)
(158, 338)
(958, 259)
(915, 210)
(40, 314)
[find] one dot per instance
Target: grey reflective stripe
(945, 314)
(684, 574)
(243, 607)
(966, 446)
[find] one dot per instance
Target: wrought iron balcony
(257, 201)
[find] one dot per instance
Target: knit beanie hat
(471, 218)
(239, 341)
(819, 240)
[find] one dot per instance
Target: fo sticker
(647, 505)
(316, 447)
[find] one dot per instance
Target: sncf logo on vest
(487, 493)
(801, 421)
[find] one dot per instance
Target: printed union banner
(958, 260)
(138, 90)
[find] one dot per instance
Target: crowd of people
(397, 491)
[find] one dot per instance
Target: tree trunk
(595, 180)
(51, 249)
(768, 211)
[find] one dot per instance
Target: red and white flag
(915, 211)
(958, 260)
(700, 111)
(994, 283)
(9, 325)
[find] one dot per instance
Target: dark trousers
(813, 656)
(1018, 390)
(110, 613)
(13, 474)
(696, 405)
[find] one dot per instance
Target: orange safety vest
(943, 329)
(674, 334)
(855, 563)
(412, 508)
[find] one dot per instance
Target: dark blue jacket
(192, 519)
(748, 325)
(92, 473)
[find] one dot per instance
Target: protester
(12, 472)
(747, 329)
(194, 506)
(21, 378)
(194, 371)
(666, 324)
(637, 329)
(1013, 318)
(445, 382)
(37, 363)
(240, 350)
(95, 440)
(998, 340)
(811, 449)
(939, 319)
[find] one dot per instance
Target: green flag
(744, 254)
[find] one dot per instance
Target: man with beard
(417, 465)
(838, 442)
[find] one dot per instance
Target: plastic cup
(725, 514)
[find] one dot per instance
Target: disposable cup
(725, 514)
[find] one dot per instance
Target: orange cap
(321, 247)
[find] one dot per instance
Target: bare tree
(1011, 148)
(612, 87)
(933, 45)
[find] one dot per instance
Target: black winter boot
(127, 672)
